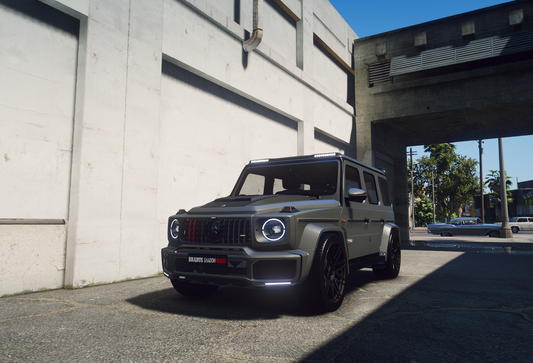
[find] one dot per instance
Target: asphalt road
(446, 306)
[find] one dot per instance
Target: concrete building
(114, 114)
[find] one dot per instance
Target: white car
(521, 224)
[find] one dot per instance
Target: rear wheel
(325, 287)
(391, 267)
(190, 289)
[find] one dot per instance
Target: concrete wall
(150, 107)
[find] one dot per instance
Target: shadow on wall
(348, 149)
(207, 86)
(45, 14)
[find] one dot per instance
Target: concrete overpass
(465, 77)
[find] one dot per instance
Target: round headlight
(273, 230)
(175, 229)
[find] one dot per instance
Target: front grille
(274, 270)
(217, 231)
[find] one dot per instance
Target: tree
(455, 176)
(423, 211)
(492, 181)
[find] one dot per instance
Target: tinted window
(384, 187)
(352, 179)
(314, 178)
(370, 184)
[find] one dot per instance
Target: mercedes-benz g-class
(304, 221)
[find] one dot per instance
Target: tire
(190, 289)
(515, 229)
(494, 234)
(391, 267)
(325, 287)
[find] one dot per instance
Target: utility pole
(481, 180)
(412, 187)
(433, 193)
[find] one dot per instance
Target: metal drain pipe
(257, 34)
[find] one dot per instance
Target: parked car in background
(521, 224)
(466, 226)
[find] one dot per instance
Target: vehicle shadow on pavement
(235, 303)
(475, 308)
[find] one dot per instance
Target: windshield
(313, 179)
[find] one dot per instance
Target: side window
(371, 190)
(384, 187)
(531, 219)
(352, 179)
(456, 223)
(521, 220)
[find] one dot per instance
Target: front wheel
(515, 229)
(494, 234)
(190, 289)
(391, 268)
(325, 287)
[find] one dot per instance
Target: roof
(320, 156)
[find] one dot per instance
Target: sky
(373, 17)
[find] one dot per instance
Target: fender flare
(313, 234)
(388, 228)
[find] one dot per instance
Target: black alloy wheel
(394, 258)
(514, 229)
(325, 287)
(190, 289)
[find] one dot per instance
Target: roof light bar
(259, 161)
(324, 155)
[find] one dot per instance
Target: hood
(262, 204)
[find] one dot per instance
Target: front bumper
(243, 266)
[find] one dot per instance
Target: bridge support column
(505, 231)
(401, 198)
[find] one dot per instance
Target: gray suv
(304, 221)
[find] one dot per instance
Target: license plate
(209, 260)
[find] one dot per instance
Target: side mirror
(357, 195)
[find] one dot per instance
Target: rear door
(529, 225)
(375, 216)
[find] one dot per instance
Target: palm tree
(493, 183)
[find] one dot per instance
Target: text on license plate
(219, 260)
